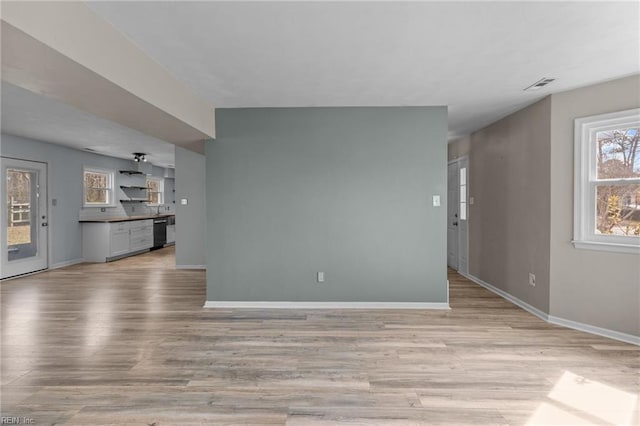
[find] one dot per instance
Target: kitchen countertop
(124, 218)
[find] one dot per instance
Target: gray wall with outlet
(190, 209)
(509, 179)
(345, 192)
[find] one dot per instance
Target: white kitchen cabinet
(118, 239)
(105, 241)
(171, 234)
(141, 235)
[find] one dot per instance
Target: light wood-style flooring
(129, 343)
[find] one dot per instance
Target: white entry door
(24, 229)
(452, 215)
(463, 215)
(458, 215)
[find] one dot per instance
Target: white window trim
(112, 189)
(584, 221)
(161, 186)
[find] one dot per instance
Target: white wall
(459, 147)
(592, 287)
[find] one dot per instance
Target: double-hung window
(607, 182)
(155, 191)
(98, 187)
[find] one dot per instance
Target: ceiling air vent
(540, 84)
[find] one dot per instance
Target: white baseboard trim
(323, 305)
(66, 263)
(191, 266)
(604, 332)
(524, 305)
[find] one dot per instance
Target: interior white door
(452, 215)
(23, 214)
(463, 213)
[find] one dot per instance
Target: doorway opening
(458, 214)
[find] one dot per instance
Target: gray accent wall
(65, 180)
(190, 219)
(592, 287)
(345, 191)
(509, 180)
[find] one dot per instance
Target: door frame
(45, 203)
(462, 236)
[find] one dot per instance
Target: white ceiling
(475, 57)
(30, 115)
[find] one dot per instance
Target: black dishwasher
(159, 233)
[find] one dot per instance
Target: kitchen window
(607, 182)
(98, 187)
(155, 191)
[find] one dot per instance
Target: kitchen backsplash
(128, 209)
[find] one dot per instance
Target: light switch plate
(436, 201)
(183, 201)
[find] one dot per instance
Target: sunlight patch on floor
(576, 400)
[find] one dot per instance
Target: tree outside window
(155, 191)
(607, 182)
(98, 187)
(618, 205)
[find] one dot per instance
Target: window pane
(463, 211)
(153, 188)
(618, 153)
(96, 180)
(19, 199)
(617, 209)
(100, 196)
(463, 176)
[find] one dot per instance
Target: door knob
(455, 223)
(45, 224)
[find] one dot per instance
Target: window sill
(610, 247)
(99, 206)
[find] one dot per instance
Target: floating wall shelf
(133, 187)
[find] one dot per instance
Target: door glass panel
(22, 202)
(463, 193)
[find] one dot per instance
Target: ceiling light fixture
(540, 83)
(139, 156)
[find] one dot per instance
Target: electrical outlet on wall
(320, 277)
(532, 279)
